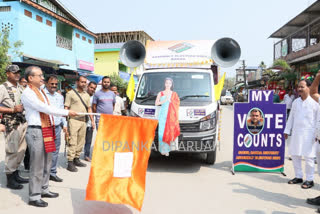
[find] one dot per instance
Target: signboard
(179, 53)
(85, 65)
(259, 142)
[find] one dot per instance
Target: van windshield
(193, 88)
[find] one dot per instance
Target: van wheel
(211, 157)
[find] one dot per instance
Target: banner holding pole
(219, 87)
(259, 143)
(130, 89)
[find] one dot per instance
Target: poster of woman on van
(168, 128)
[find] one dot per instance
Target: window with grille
(5, 8)
(64, 35)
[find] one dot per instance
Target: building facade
(107, 59)
(299, 42)
(53, 38)
(107, 49)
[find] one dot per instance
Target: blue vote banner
(259, 143)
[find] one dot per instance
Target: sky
(249, 22)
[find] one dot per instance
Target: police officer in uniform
(15, 125)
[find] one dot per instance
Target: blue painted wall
(39, 39)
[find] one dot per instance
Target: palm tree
(282, 65)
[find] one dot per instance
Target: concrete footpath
(177, 184)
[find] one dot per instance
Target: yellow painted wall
(106, 63)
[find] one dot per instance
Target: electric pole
(245, 93)
(244, 73)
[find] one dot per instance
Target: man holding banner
(301, 125)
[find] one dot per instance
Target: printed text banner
(259, 147)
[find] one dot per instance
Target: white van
(198, 109)
(194, 75)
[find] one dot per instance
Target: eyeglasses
(53, 83)
(39, 75)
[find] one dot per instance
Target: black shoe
(314, 201)
(38, 203)
(77, 162)
(307, 184)
(12, 183)
(71, 167)
(55, 178)
(50, 195)
(20, 179)
(295, 181)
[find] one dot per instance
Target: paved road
(178, 184)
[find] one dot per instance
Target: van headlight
(208, 122)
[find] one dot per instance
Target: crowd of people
(34, 115)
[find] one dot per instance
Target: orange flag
(120, 160)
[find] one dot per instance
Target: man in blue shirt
(57, 101)
(104, 100)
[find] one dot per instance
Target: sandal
(295, 181)
(307, 185)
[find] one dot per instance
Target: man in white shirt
(119, 108)
(288, 99)
(39, 115)
(57, 101)
(90, 90)
(315, 95)
(301, 125)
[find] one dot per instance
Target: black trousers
(87, 145)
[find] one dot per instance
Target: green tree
(282, 64)
(119, 82)
(5, 46)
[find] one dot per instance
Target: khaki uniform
(77, 125)
(15, 140)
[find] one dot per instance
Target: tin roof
(305, 17)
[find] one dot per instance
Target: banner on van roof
(184, 53)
